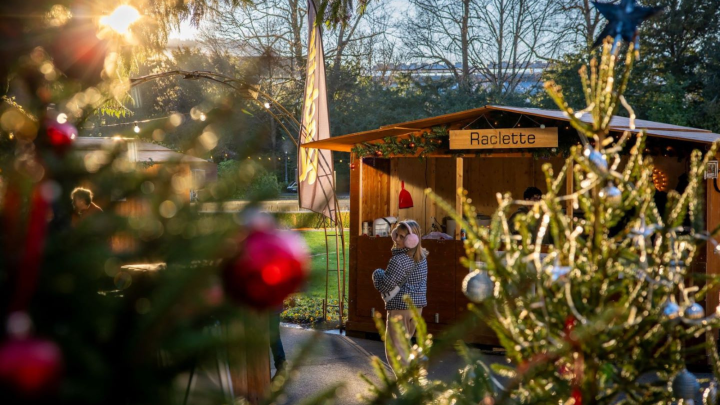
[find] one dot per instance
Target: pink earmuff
(411, 240)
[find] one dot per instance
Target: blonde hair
(418, 253)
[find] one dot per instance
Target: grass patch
(306, 306)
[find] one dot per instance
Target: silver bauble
(710, 394)
(558, 272)
(686, 387)
(612, 195)
(671, 310)
(597, 161)
(477, 286)
(695, 312)
(676, 264)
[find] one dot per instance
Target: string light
(659, 179)
(136, 128)
(267, 105)
(203, 117)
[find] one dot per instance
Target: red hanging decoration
(31, 257)
(405, 199)
(270, 266)
(378, 153)
(30, 367)
(577, 396)
(60, 136)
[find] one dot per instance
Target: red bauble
(60, 136)
(411, 145)
(30, 367)
(352, 166)
(271, 265)
(378, 153)
(577, 396)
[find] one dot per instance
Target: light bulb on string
(267, 105)
(136, 128)
(203, 117)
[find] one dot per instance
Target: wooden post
(356, 196)
(432, 211)
(458, 185)
(713, 260)
(394, 190)
(249, 364)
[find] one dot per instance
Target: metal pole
(286, 163)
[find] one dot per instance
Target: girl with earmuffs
(406, 274)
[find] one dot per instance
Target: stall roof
(345, 143)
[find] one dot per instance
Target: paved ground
(340, 359)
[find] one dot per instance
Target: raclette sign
(504, 138)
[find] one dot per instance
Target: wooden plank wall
(374, 196)
(483, 177)
(416, 174)
(435, 173)
(486, 176)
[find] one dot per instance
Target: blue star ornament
(623, 20)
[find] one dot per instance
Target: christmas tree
(605, 313)
(121, 305)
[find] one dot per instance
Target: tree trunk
(465, 83)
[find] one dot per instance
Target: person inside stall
(532, 194)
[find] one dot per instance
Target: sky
(188, 33)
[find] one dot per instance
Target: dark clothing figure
(276, 346)
(80, 215)
(511, 221)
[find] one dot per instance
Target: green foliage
(583, 319)
(301, 220)
(421, 146)
(676, 81)
(263, 186)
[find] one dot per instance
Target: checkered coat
(404, 272)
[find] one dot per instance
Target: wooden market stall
(489, 150)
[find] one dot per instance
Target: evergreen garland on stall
(428, 142)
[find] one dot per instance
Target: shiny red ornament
(577, 396)
(378, 153)
(271, 265)
(411, 145)
(352, 166)
(30, 367)
(60, 136)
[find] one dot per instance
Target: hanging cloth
(405, 198)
